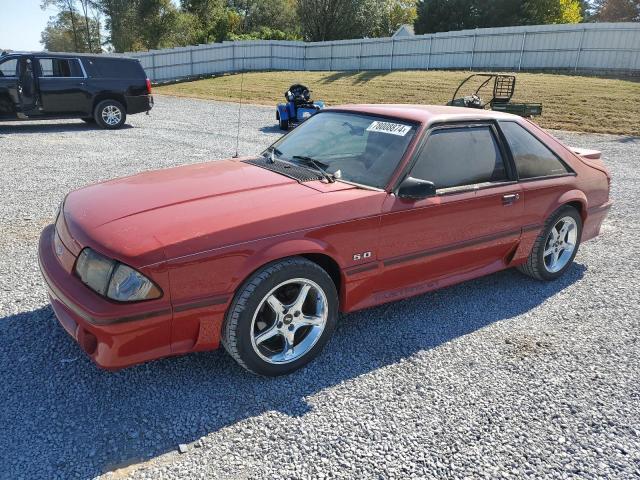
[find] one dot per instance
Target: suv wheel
(110, 114)
(281, 317)
(556, 246)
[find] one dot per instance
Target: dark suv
(96, 88)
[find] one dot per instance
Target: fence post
(393, 47)
(524, 39)
(360, 56)
(191, 62)
(270, 54)
(575, 69)
(153, 66)
(331, 58)
(304, 58)
(473, 49)
(429, 54)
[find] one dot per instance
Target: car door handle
(510, 198)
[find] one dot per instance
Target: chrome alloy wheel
(560, 244)
(111, 115)
(289, 321)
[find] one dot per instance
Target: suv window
(60, 67)
(113, 67)
(8, 67)
(454, 157)
(533, 158)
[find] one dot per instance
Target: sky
(21, 22)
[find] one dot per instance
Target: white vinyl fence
(591, 47)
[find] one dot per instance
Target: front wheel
(110, 114)
(281, 317)
(556, 246)
(284, 124)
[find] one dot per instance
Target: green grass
(579, 103)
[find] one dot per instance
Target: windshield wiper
(318, 165)
(270, 153)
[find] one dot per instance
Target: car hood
(163, 214)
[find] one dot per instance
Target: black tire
(535, 265)
(89, 120)
(238, 328)
(101, 118)
(284, 125)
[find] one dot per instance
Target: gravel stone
(500, 377)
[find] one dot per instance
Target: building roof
(405, 30)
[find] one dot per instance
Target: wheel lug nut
(297, 314)
(291, 328)
(279, 324)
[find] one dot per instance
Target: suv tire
(110, 114)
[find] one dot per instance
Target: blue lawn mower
(298, 108)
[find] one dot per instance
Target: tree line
(132, 25)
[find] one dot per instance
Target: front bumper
(114, 335)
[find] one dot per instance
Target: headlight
(113, 279)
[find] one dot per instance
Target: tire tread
(246, 290)
(532, 266)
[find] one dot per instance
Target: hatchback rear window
(533, 158)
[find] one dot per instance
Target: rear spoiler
(592, 158)
(585, 153)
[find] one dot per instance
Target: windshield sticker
(388, 127)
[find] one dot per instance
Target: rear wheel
(282, 317)
(556, 246)
(110, 114)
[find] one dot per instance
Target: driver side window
(8, 67)
(460, 156)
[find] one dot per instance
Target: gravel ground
(498, 377)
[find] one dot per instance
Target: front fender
(286, 249)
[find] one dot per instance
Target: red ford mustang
(358, 206)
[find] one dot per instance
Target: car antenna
(240, 109)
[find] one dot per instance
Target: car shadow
(80, 421)
(53, 127)
(272, 129)
(629, 139)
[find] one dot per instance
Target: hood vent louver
(298, 173)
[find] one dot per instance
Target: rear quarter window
(533, 158)
(115, 68)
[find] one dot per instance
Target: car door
(468, 228)
(63, 86)
(27, 85)
(8, 86)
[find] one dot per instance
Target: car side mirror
(416, 189)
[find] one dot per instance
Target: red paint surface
(199, 231)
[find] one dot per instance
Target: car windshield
(357, 148)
